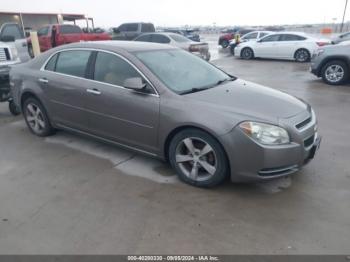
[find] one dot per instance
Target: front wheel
(302, 56)
(335, 72)
(13, 108)
(247, 53)
(198, 158)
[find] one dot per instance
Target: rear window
(162, 39)
(73, 62)
(43, 31)
(12, 30)
(70, 29)
(144, 38)
(147, 28)
(179, 38)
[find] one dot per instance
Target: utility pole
(342, 23)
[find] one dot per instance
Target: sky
(190, 12)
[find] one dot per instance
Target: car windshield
(181, 71)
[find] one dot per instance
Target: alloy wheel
(196, 159)
(302, 56)
(35, 118)
(334, 73)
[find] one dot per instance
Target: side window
(70, 29)
(147, 28)
(271, 38)
(251, 36)
(112, 69)
(12, 30)
(43, 31)
(262, 35)
(122, 28)
(73, 62)
(51, 65)
(132, 27)
(162, 39)
(144, 38)
(291, 38)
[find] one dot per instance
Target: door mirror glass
(134, 83)
(7, 38)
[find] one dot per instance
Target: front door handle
(43, 80)
(94, 91)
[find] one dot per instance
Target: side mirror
(134, 83)
(259, 41)
(7, 38)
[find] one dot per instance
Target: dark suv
(130, 31)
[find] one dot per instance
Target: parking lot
(68, 194)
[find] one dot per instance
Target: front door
(267, 47)
(116, 113)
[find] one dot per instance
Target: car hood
(251, 100)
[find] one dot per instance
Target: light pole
(342, 23)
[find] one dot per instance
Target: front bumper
(4, 84)
(252, 162)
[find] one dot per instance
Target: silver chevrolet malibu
(167, 103)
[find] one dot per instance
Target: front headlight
(319, 52)
(14, 53)
(265, 134)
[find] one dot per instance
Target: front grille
(304, 123)
(4, 54)
(309, 142)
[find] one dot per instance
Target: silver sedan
(162, 101)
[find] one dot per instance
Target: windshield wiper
(194, 90)
(225, 80)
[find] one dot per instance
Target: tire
(194, 166)
(247, 53)
(302, 55)
(14, 109)
(225, 43)
(36, 118)
(335, 72)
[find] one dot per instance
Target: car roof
(129, 46)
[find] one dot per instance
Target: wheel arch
(302, 48)
(178, 129)
(328, 59)
(27, 94)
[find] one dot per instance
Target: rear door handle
(43, 80)
(94, 91)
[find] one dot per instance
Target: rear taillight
(194, 48)
(322, 43)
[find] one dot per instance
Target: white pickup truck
(13, 50)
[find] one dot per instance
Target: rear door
(267, 47)
(64, 84)
(69, 34)
(289, 43)
(132, 31)
(119, 114)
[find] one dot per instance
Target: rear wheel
(36, 117)
(302, 55)
(198, 158)
(335, 72)
(247, 53)
(225, 43)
